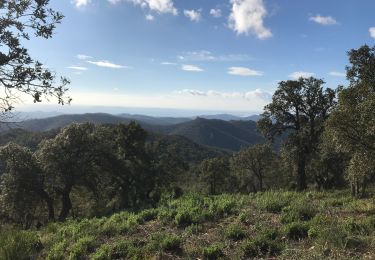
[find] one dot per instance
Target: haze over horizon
(223, 56)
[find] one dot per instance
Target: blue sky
(219, 55)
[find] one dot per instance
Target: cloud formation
(191, 68)
(249, 95)
(160, 6)
(149, 17)
(216, 13)
(337, 74)
(81, 3)
(193, 15)
(245, 72)
(301, 74)
(323, 20)
(168, 63)
(83, 57)
(372, 32)
(204, 55)
(80, 68)
(107, 64)
(247, 17)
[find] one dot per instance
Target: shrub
(118, 250)
(82, 247)
(213, 252)
(193, 229)
(19, 245)
(296, 230)
(301, 210)
(165, 242)
(235, 232)
(327, 231)
(274, 202)
(261, 246)
(148, 215)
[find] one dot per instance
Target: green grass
(279, 224)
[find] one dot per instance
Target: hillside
(270, 225)
(227, 135)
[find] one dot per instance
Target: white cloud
(83, 57)
(301, 74)
(337, 74)
(204, 55)
(323, 20)
(192, 68)
(160, 6)
(107, 64)
(81, 3)
(245, 72)
(193, 15)
(248, 101)
(249, 95)
(77, 68)
(215, 13)
(372, 32)
(149, 17)
(247, 17)
(114, 1)
(168, 63)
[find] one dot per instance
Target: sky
(206, 55)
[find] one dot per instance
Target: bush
(82, 247)
(300, 211)
(261, 246)
(296, 230)
(235, 232)
(118, 250)
(273, 201)
(165, 242)
(19, 245)
(213, 252)
(148, 215)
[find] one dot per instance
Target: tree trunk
(49, 202)
(66, 204)
(301, 173)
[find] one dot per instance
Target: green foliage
(21, 188)
(299, 210)
(165, 242)
(20, 74)
(214, 173)
(351, 124)
(213, 252)
(82, 247)
(253, 166)
(20, 245)
(117, 250)
(234, 231)
(273, 201)
(261, 246)
(296, 230)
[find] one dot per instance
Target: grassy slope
(285, 225)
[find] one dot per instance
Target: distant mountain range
(223, 131)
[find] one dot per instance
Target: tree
(352, 124)
(214, 172)
(256, 161)
(21, 186)
(299, 108)
(73, 158)
(20, 74)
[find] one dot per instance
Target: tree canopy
(21, 74)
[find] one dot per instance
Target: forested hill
(227, 135)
